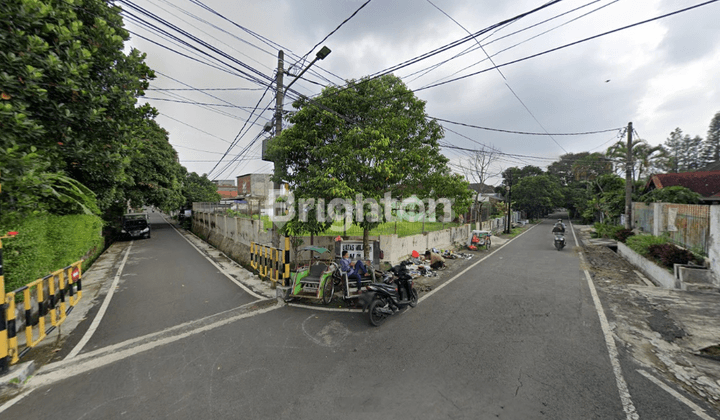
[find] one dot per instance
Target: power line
(258, 76)
(335, 30)
(507, 84)
(528, 133)
(474, 48)
(569, 45)
(199, 103)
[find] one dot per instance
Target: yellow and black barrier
(52, 296)
(268, 260)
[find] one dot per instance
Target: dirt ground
(670, 332)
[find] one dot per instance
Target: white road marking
(101, 313)
(625, 399)
(55, 372)
(222, 270)
(696, 409)
(325, 309)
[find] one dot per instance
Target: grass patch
(401, 228)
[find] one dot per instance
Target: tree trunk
(366, 241)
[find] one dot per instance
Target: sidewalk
(674, 333)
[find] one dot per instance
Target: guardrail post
(4, 344)
(286, 271)
(4, 359)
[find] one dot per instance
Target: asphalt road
(517, 336)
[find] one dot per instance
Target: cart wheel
(328, 291)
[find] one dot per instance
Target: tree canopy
(73, 137)
(365, 140)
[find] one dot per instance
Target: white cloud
(661, 75)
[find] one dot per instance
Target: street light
(280, 92)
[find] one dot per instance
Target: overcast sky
(658, 75)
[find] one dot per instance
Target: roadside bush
(623, 234)
(669, 254)
(47, 243)
(641, 243)
(617, 232)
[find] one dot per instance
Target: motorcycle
(559, 241)
(383, 299)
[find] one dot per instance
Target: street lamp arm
(324, 51)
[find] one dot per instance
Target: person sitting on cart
(354, 269)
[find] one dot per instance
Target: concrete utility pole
(508, 228)
(628, 178)
(279, 93)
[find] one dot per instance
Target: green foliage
(606, 230)
(676, 195)
(646, 159)
(622, 235)
(29, 188)
(69, 120)
(367, 139)
(157, 176)
(199, 189)
(641, 243)
(669, 254)
(537, 195)
(711, 145)
(46, 243)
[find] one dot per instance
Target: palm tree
(645, 160)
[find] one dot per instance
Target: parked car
(135, 225)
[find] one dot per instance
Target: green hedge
(48, 243)
(642, 243)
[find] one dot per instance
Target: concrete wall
(657, 274)
(714, 249)
(233, 236)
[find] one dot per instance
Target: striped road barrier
(53, 296)
(270, 262)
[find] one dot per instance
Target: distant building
(226, 188)
(256, 190)
(705, 183)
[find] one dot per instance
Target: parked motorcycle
(384, 299)
(559, 241)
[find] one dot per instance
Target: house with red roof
(705, 183)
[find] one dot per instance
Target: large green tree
(198, 189)
(646, 159)
(711, 146)
(156, 175)
(537, 195)
(365, 140)
(69, 91)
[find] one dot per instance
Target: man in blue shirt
(354, 269)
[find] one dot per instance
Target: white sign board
(355, 250)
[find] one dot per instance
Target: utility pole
(507, 225)
(628, 179)
(279, 96)
(279, 93)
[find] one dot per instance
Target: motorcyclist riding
(558, 231)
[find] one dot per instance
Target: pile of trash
(415, 267)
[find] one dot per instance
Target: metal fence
(644, 216)
(687, 225)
